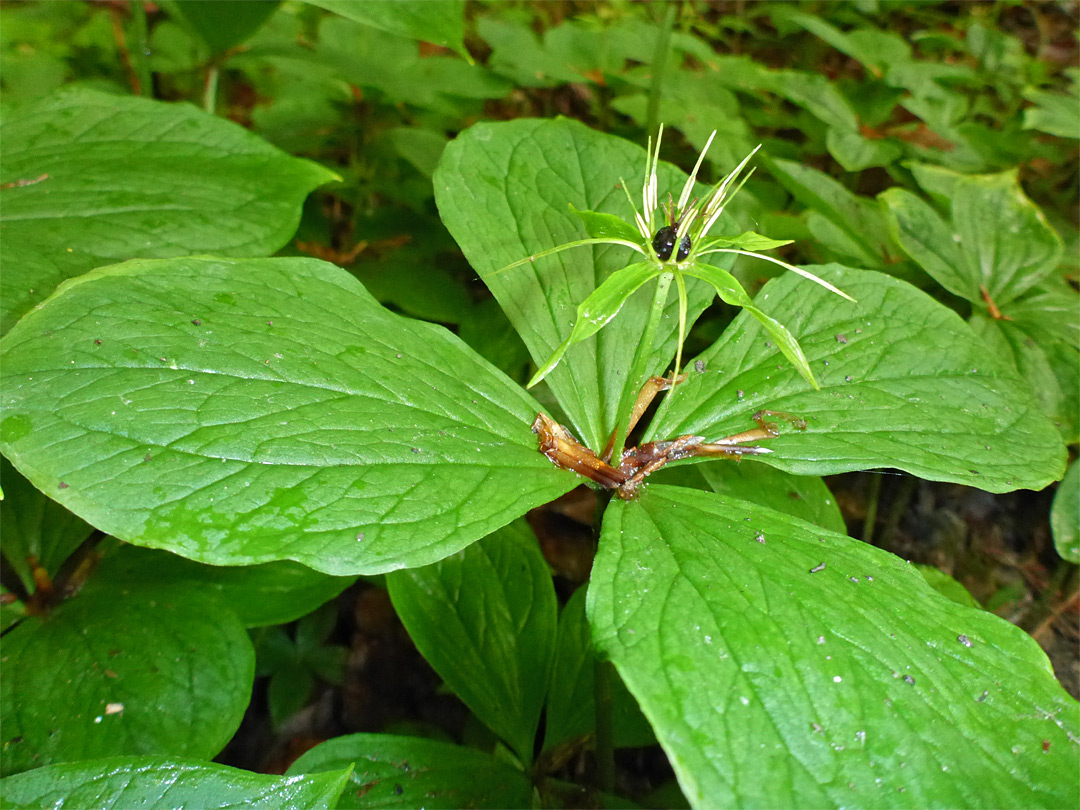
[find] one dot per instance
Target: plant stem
(137, 51)
(872, 498)
(659, 65)
(209, 99)
(604, 673)
(640, 367)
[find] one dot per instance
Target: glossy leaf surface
(238, 412)
(407, 772)
(855, 684)
(485, 619)
(904, 383)
(157, 783)
(147, 670)
(74, 196)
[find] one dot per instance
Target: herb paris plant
(688, 224)
(258, 410)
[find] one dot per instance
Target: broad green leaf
(596, 311)
(288, 691)
(260, 595)
(395, 66)
(1065, 515)
(874, 49)
(602, 226)
(421, 147)
(1056, 393)
(440, 23)
(1056, 113)
(485, 619)
(815, 93)
(928, 239)
(221, 26)
(503, 192)
(410, 281)
(773, 682)
(904, 384)
(11, 610)
(998, 239)
(158, 669)
(1007, 243)
(32, 525)
(1049, 312)
(88, 178)
(947, 586)
(487, 330)
(237, 412)
(158, 783)
(858, 220)
(855, 152)
(802, 496)
(571, 704)
(408, 772)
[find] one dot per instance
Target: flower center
(664, 242)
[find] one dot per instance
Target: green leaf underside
(485, 619)
(32, 525)
(157, 783)
(1065, 515)
(441, 23)
(408, 772)
(177, 663)
(904, 384)
(503, 192)
(596, 311)
(802, 496)
(570, 712)
(854, 685)
(260, 595)
(237, 412)
(200, 183)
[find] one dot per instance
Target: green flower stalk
(672, 249)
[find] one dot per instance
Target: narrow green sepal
(748, 240)
(787, 344)
(601, 306)
(729, 289)
(606, 226)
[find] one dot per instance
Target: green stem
(872, 498)
(604, 674)
(209, 99)
(639, 369)
(659, 65)
(665, 403)
(138, 48)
